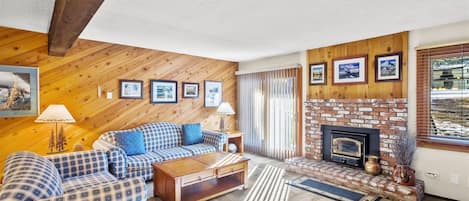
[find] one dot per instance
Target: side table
(235, 137)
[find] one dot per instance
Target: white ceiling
(241, 30)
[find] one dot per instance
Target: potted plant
(403, 151)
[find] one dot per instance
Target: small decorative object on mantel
(404, 152)
(56, 114)
(388, 67)
(372, 166)
(318, 73)
(350, 70)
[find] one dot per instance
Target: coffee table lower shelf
(211, 188)
(200, 177)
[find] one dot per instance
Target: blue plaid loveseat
(71, 176)
(163, 141)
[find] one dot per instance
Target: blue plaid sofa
(163, 141)
(65, 177)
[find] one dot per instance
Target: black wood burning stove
(348, 145)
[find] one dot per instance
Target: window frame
(424, 84)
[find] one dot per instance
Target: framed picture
(190, 90)
(388, 67)
(318, 73)
(131, 89)
(19, 91)
(351, 70)
(163, 91)
(213, 93)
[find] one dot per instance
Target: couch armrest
(128, 190)
(214, 138)
(80, 163)
(116, 156)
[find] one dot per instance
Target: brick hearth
(388, 115)
(355, 179)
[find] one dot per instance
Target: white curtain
(267, 103)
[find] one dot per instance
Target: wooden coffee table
(199, 177)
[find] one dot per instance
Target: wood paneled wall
(371, 47)
(72, 80)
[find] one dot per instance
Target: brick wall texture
(387, 115)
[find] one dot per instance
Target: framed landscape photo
(351, 70)
(163, 91)
(213, 93)
(190, 90)
(19, 91)
(388, 67)
(131, 89)
(318, 73)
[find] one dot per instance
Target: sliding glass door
(268, 111)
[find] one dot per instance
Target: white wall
(452, 167)
(271, 62)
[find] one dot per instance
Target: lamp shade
(225, 108)
(55, 114)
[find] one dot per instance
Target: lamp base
(58, 141)
(222, 123)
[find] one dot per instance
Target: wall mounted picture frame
(19, 91)
(163, 91)
(190, 90)
(388, 67)
(130, 89)
(318, 73)
(213, 93)
(350, 70)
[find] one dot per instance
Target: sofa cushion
(173, 153)
(146, 174)
(200, 148)
(161, 135)
(80, 163)
(142, 161)
(85, 181)
(192, 134)
(131, 142)
(28, 176)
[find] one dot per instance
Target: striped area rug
(270, 186)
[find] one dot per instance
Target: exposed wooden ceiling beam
(69, 19)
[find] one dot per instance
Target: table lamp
(223, 110)
(56, 114)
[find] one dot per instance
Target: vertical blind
(267, 103)
(442, 95)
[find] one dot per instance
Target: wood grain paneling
(371, 47)
(72, 80)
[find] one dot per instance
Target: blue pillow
(131, 142)
(192, 134)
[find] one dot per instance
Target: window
(443, 95)
(450, 96)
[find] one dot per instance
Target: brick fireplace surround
(387, 115)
